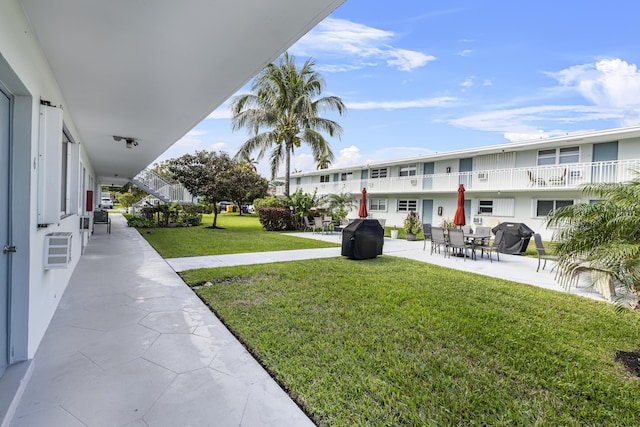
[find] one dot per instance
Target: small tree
(340, 204)
(245, 184)
(205, 174)
(303, 202)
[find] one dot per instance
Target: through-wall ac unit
(482, 176)
(477, 220)
(57, 250)
(414, 182)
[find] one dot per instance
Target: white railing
(538, 177)
(161, 188)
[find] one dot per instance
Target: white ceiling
(152, 70)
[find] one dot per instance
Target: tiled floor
(131, 345)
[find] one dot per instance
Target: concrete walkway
(510, 267)
(131, 345)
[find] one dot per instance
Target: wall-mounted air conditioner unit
(482, 176)
(477, 220)
(57, 250)
(414, 182)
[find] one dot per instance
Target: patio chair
(559, 180)
(457, 241)
(542, 253)
(483, 230)
(466, 229)
(318, 225)
(426, 230)
(307, 224)
(535, 182)
(101, 217)
(493, 247)
(438, 240)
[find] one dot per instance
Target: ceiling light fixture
(129, 142)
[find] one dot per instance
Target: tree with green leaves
(206, 174)
(245, 185)
(283, 111)
(603, 236)
(341, 203)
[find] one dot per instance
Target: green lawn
(391, 341)
(239, 234)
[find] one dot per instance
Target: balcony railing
(165, 191)
(564, 176)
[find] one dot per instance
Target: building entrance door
(5, 122)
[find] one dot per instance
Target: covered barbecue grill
(362, 239)
(515, 237)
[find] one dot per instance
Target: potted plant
(412, 225)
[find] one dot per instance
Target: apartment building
(514, 182)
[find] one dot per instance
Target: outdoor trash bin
(363, 239)
(515, 237)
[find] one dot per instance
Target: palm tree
(342, 203)
(603, 236)
(282, 111)
(323, 162)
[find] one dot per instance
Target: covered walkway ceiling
(152, 70)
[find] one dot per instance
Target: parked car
(106, 203)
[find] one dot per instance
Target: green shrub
(140, 222)
(277, 219)
(271, 202)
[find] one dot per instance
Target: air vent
(477, 220)
(482, 176)
(57, 250)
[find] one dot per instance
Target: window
(544, 207)
(554, 156)
(378, 204)
(324, 178)
(408, 170)
(346, 176)
(485, 207)
(407, 205)
(379, 173)
(569, 155)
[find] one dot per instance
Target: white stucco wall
(21, 51)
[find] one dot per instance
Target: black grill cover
(515, 237)
(363, 239)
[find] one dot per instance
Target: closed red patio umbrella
(362, 212)
(458, 218)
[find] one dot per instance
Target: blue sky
(420, 77)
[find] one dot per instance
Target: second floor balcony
(565, 176)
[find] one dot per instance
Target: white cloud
(608, 82)
(348, 156)
(191, 141)
(365, 45)
(219, 146)
(522, 123)
(464, 52)
(468, 82)
(396, 105)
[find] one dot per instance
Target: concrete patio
(131, 344)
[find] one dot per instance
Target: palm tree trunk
(287, 167)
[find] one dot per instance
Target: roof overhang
(153, 70)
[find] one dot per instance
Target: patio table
(476, 240)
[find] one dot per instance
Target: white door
(4, 227)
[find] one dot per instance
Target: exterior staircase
(161, 189)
